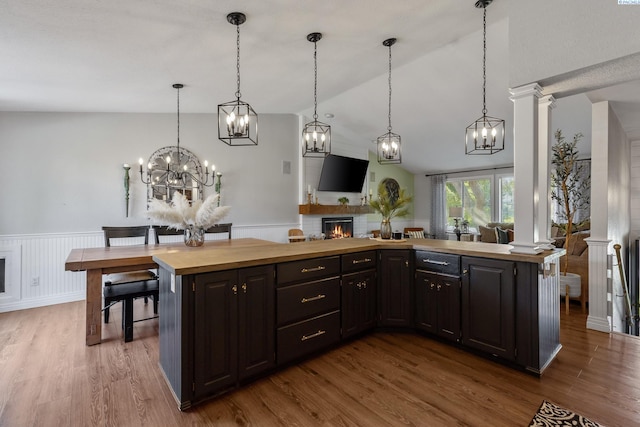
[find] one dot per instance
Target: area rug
(550, 414)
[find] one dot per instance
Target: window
(472, 199)
(506, 198)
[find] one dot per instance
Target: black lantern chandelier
(237, 121)
(316, 136)
(485, 135)
(389, 146)
(181, 170)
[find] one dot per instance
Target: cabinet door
(349, 309)
(395, 288)
(368, 306)
(215, 332)
(448, 291)
(426, 308)
(488, 306)
(358, 302)
(256, 313)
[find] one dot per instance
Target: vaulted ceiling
(123, 56)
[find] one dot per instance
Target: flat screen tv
(343, 174)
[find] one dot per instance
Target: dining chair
(296, 235)
(126, 286)
(163, 230)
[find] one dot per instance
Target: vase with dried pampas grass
(194, 218)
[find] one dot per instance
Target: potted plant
(390, 206)
(570, 188)
(343, 201)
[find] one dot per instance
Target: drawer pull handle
(309, 270)
(314, 335)
(430, 261)
(316, 298)
(359, 261)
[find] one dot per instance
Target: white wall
(619, 223)
(550, 37)
(64, 180)
(65, 170)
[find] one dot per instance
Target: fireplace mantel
(310, 209)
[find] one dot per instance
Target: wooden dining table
(106, 260)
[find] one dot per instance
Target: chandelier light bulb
(168, 159)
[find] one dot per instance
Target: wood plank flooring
(48, 377)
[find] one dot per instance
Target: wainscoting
(34, 266)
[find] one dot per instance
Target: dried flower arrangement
(180, 214)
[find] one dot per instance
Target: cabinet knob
(235, 289)
(439, 286)
(433, 285)
(364, 285)
(465, 271)
(244, 288)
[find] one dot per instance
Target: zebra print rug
(550, 414)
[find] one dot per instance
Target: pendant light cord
(484, 61)
(178, 108)
(389, 127)
(238, 94)
(315, 81)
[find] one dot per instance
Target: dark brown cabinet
(233, 331)
(359, 296)
(437, 294)
(395, 287)
(358, 302)
(308, 301)
(489, 305)
(437, 304)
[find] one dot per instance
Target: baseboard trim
(43, 301)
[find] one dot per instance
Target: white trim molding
(599, 291)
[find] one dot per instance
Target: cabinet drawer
(304, 338)
(438, 263)
(305, 270)
(358, 261)
(298, 302)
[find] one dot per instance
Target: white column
(525, 168)
(599, 294)
(545, 137)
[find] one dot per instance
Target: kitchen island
(231, 314)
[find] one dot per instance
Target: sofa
(578, 253)
(578, 250)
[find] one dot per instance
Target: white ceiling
(124, 55)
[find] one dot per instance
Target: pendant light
(237, 121)
(316, 136)
(389, 146)
(181, 170)
(485, 135)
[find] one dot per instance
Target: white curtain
(438, 207)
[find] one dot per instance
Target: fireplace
(337, 228)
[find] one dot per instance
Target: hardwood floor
(48, 377)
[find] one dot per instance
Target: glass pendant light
(316, 136)
(237, 121)
(389, 144)
(485, 135)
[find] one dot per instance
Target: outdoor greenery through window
(472, 200)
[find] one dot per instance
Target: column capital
(532, 89)
(547, 101)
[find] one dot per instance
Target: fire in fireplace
(337, 228)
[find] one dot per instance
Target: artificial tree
(570, 187)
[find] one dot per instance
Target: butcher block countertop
(241, 253)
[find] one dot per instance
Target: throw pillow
(501, 235)
(416, 234)
(487, 235)
(510, 235)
